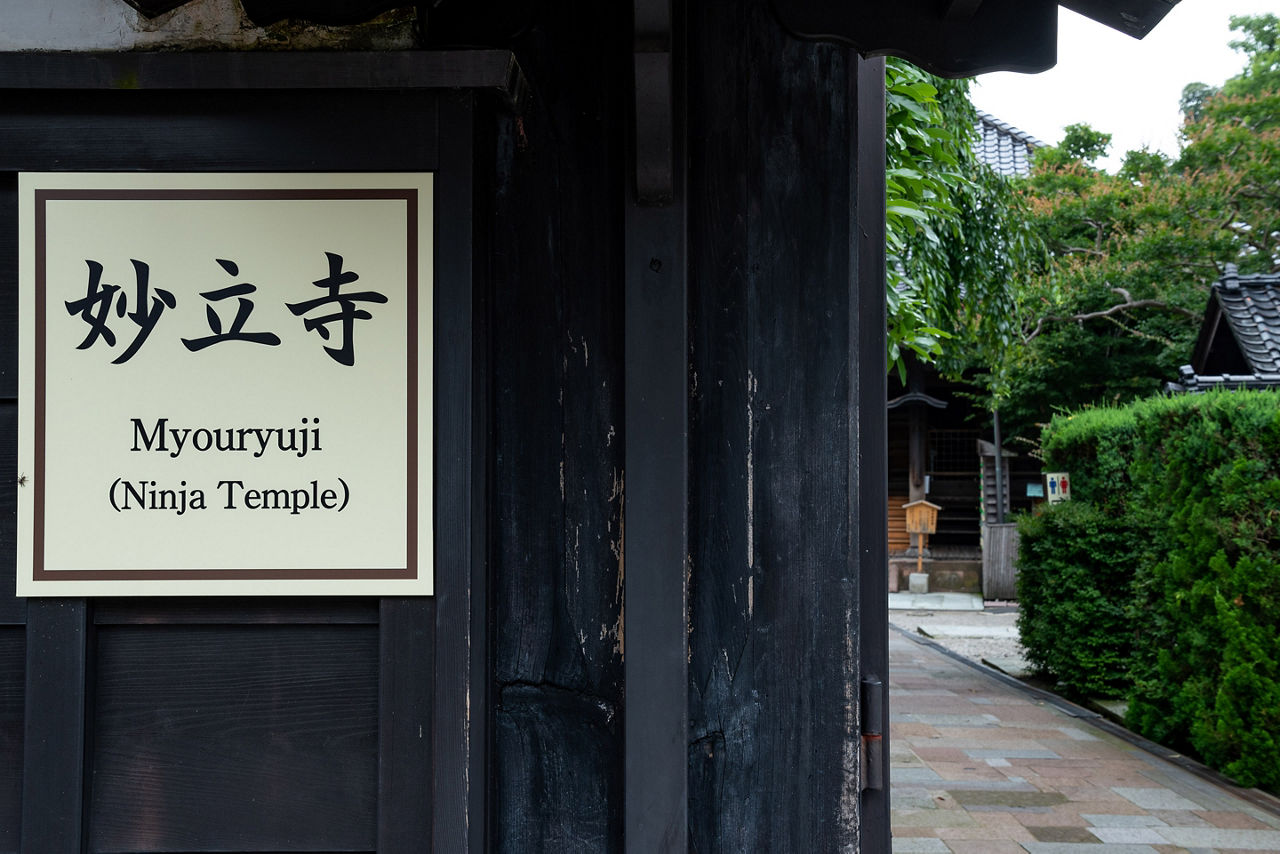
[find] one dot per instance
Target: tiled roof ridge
(1011, 130)
(1251, 305)
(1190, 381)
(1232, 279)
(1003, 147)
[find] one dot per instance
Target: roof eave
(961, 38)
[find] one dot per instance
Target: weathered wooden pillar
(554, 258)
(787, 501)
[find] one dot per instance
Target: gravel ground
(989, 635)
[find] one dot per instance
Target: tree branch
(1129, 303)
(1137, 333)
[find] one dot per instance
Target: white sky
(1120, 85)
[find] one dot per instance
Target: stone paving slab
(905, 601)
(978, 765)
(970, 632)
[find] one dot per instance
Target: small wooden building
(940, 449)
(936, 444)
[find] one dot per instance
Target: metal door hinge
(873, 743)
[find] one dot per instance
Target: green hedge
(1075, 579)
(1208, 672)
(1163, 573)
(1096, 447)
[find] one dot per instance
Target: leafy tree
(958, 238)
(1083, 143)
(921, 172)
(1261, 44)
(1144, 165)
(1193, 97)
(1133, 254)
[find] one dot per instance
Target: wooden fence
(999, 561)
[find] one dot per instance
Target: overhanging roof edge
(992, 35)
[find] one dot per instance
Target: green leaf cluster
(1075, 574)
(1261, 44)
(1077, 559)
(1207, 673)
(958, 239)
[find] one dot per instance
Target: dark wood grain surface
(13, 654)
(558, 479)
(775, 603)
(251, 738)
(225, 724)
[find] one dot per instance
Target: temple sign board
(226, 384)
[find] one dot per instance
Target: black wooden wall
(13, 611)
(782, 492)
(785, 379)
(784, 511)
(259, 724)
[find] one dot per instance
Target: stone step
(945, 576)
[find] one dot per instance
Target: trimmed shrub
(1207, 670)
(1076, 567)
(1163, 572)
(1096, 447)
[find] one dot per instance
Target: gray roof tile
(1003, 147)
(1251, 307)
(1190, 381)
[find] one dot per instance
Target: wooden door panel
(252, 738)
(13, 652)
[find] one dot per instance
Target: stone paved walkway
(980, 766)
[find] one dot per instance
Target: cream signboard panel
(225, 384)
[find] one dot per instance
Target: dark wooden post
(787, 484)
(657, 533)
(53, 790)
(557, 248)
(657, 412)
(869, 459)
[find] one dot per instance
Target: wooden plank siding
(494, 716)
(1000, 561)
(559, 437)
(899, 539)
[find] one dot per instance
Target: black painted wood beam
(54, 747)
(1000, 35)
(869, 462)
(327, 12)
(485, 70)
(657, 455)
(960, 38)
(1132, 17)
(459, 709)
(654, 113)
